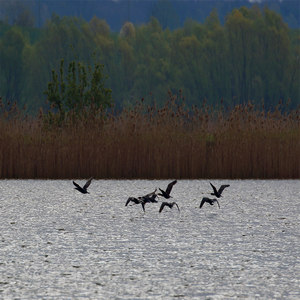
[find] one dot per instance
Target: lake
(56, 243)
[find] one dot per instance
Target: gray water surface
(56, 243)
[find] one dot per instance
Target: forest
(254, 56)
(208, 100)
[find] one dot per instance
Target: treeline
(253, 57)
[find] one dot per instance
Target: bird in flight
(166, 194)
(210, 201)
(83, 189)
(218, 193)
(136, 201)
(151, 197)
(169, 204)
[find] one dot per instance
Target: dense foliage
(81, 88)
(253, 56)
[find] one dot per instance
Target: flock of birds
(152, 197)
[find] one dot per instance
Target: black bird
(166, 193)
(84, 188)
(169, 204)
(208, 200)
(136, 201)
(149, 198)
(219, 192)
(151, 194)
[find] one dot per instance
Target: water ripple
(56, 243)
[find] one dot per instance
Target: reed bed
(172, 141)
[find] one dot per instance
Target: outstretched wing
(128, 200)
(162, 206)
(214, 188)
(77, 185)
(203, 201)
(177, 206)
(87, 183)
(161, 192)
(217, 202)
(223, 187)
(150, 194)
(170, 186)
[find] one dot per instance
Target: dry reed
(149, 142)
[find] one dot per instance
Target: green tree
(152, 74)
(11, 64)
(239, 29)
(65, 37)
(259, 51)
(82, 88)
(294, 69)
(99, 27)
(253, 56)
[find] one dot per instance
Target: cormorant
(83, 189)
(169, 204)
(136, 201)
(219, 192)
(166, 193)
(210, 201)
(151, 197)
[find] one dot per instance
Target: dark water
(56, 243)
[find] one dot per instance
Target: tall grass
(150, 142)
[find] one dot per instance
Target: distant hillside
(170, 13)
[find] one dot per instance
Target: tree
(100, 27)
(215, 60)
(152, 48)
(66, 38)
(11, 64)
(82, 88)
(127, 30)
